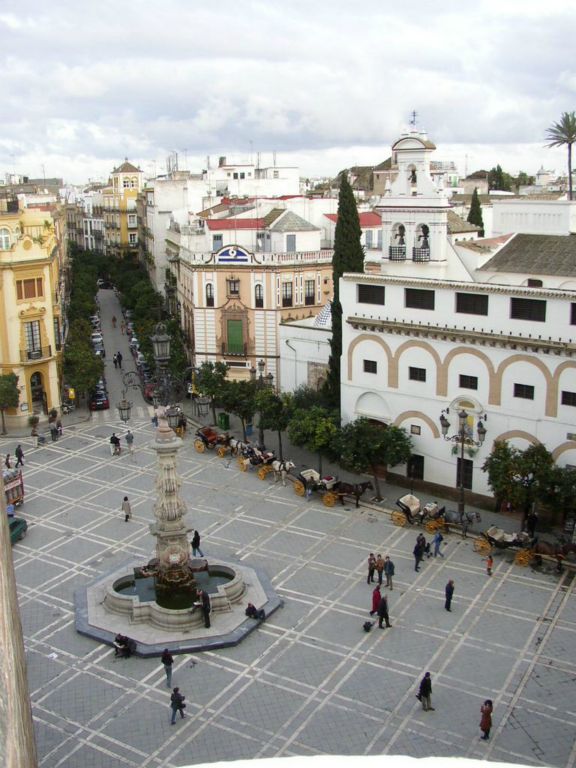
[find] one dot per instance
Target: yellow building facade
(120, 214)
(32, 270)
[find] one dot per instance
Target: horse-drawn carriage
(431, 516)
(330, 487)
(207, 438)
(529, 550)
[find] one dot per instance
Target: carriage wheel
(199, 446)
(262, 472)
(482, 546)
(432, 526)
(399, 518)
(241, 461)
(299, 488)
(222, 450)
(243, 464)
(329, 498)
(523, 557)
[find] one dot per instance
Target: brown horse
(557, 550)
(352, 489)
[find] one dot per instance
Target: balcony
(397, 253)
(420, 254)
(235, 349)
(31, 355)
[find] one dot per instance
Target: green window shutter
(235, 337)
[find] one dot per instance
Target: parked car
(128, 314)
(97, 338)
(104, 284)
(99, 350)
(99, 401)
(18, 528)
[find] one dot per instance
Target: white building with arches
(489, 326)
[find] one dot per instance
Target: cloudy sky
(323, 83)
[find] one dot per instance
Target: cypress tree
(475, 214)
(348, 257)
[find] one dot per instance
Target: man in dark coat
(418, 554)
(449, 593)
(425, 692)
(206, 607)
(383, 612)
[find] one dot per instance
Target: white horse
(281, 469)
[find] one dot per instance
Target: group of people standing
(382, 567)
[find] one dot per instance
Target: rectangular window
(419, 299)
(472, 303)
(528, 309)
(466, 477)
(415, 429)
(32, 333)
(309, 290)
(368, 238)
(371, 294)
(468, 382)
(133, 238)
(233, 287)
(57, 339)
(416, 374)
(370, 366)
(569, 398)
(32, 288)
(132, 220)
(286, 294)
(235, 339)
(573, 313)
(290, 243)
(532, 283)
(217, 242)
(525, 391)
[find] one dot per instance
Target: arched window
(259, 296)
(397, 249)
(4, 239)
(209, 295)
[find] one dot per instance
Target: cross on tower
(413, 116)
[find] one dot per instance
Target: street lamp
(464, 438)
(164, 387)
(130, 380)
(262, 382)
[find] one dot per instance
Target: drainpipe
(288, 344)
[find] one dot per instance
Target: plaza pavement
(309, 680)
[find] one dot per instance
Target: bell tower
(414, 210)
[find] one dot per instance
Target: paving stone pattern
(310, 680)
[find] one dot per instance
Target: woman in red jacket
(376, 597)
(486, 719)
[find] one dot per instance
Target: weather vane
(413, 116)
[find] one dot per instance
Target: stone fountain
(153, 602)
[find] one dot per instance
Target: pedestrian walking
(531, 522)
(155, 419)
(425, 545)
(8, 461)
(59, 427)
(371, 568)
(379, 567)
(418, 554)
(486, 719)
(177, 704)
(53, 431)
(123, 327)
(389, 572)
(129, 437)
(449, 591)
(115, 360)
(19, 453)
(126, 509)
(167, 660)
(383, 612)
(489, 564)
(119, 359)
(115, 445)
(437, 541)
(114, 321)
(196, 551)
(425, 692)
(376, 597)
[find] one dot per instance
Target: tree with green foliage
(239, 398)
(366, 446)
(499, 466)
(315, 429)
(210, 381)
(274, 413)
(82, 368)
(9, 395)
(524, 180)
(500, 180)
(306, 397)
(348, 257)
(475, 213)
(563, 134)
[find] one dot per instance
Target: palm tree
(563, 133)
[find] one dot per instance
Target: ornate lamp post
(464, 438)
(164, 383)
(130, 380)
(262, 382)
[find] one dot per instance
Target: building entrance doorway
(39, 403)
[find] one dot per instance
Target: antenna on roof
(413, 116)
